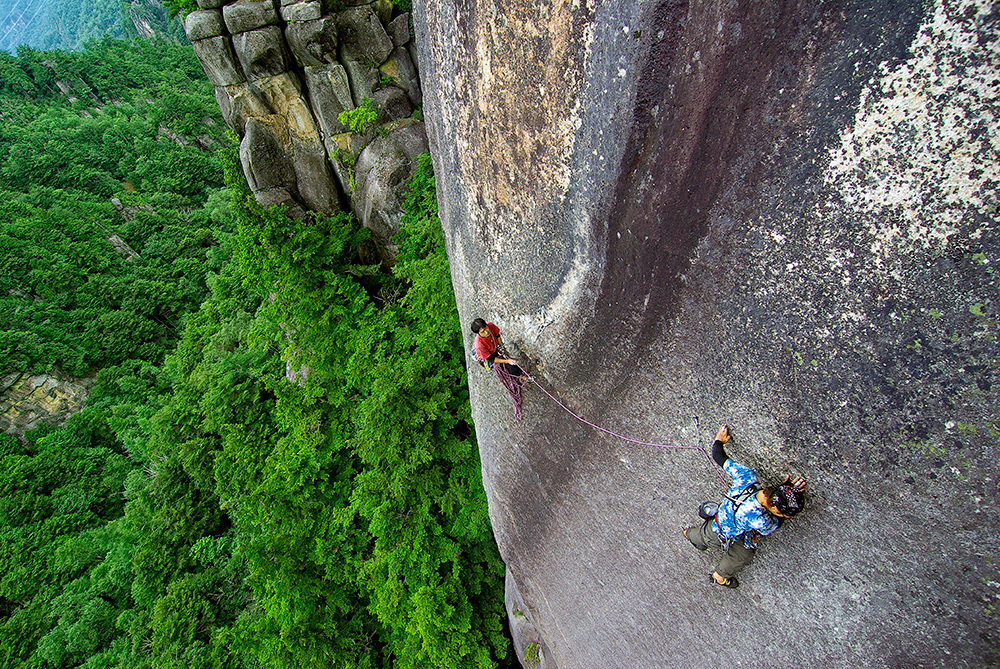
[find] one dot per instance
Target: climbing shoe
(730, 582)
(685, 533)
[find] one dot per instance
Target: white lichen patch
(924, 150)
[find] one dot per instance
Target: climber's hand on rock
(723, 434)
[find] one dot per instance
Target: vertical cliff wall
(778, 215)
(284, 72)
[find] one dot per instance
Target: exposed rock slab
(392, 104)
(31, 401)
(362, 36)
(203, 23)
(401, 69)
(218, 60)
(249, 15)
(262, 52)
(399, 29)
(383, 168)
(264, 153)
(340, 48)
(313, 42)
(301, 11)
(330, 92)
(773, 216)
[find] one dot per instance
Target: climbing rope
(621, 436)
(509, 382)
(514, 390)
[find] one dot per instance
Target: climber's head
(478, 326)
(786, 499)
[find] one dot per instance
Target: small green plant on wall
(347, 160)
(358, 118)
(531, 654)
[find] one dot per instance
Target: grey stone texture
(781, 217)
(313, 42)
(362, 36)
(210, 4)
(28, 402)
(383, 168)
(240, 102)
(314, 177)
(294, 149)
(262, 52)
(217, 59)
(249, 15)
(392, 105)
(330, 94)
(364, 79)
(523, 632)
(399, 29)
(302, 11)
(279, 196)
(265, 155)
(403, 72)
(203, 23)
(383, 10)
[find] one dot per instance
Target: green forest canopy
(203, 511)
(69, 24)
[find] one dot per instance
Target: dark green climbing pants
(733, 560)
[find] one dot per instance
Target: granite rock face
(28, 402)
(382, 169)
(778, 216)
(284, 72)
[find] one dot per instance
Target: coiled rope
(509, 382)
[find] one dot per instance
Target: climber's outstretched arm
(718, 452)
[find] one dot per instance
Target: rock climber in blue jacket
(748, 511)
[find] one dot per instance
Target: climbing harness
(508, 381)
(746, 495)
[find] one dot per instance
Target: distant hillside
(68, 24)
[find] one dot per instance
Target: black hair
(786, 498)
(478, 325)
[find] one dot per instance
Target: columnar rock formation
(777, 215)
(283, 74)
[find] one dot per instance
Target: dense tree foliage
(276, 465)
(373, 451)
(94, 284)
(67, 297)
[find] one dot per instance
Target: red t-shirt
(487, 346)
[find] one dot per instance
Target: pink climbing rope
(517, 411)
(514, 390)
(509, 382)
